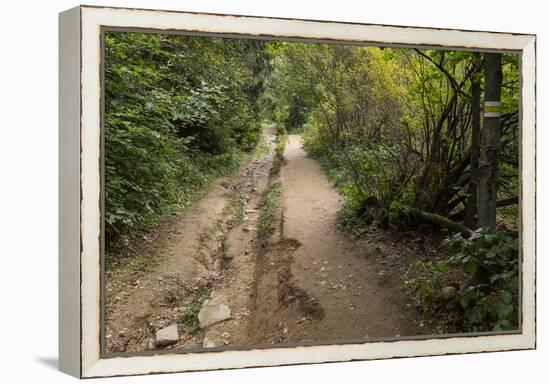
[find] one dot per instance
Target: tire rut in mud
(278, 303)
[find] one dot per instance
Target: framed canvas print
(242, 191)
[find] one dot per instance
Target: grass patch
(271, 198)
(282, 138)
(235, 210)
(239, 216)
(190, 314)
(262, 148)
(141, 263)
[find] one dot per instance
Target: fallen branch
(506, 202)
(432, 218)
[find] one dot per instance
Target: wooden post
(490, 142)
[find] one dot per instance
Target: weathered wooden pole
(490, 142)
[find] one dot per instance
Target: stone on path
(151, 344)
(213, 311)
(166, 336)
(207, 343)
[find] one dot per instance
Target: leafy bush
(363, 174)
(486, 297)
(491, 259)
(179, 111)
(487, 250)
(394, 125)
(427, 280)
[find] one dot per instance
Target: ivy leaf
(470, 267)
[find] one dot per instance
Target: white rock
(213, 311)
(166, 336)
(206, 343)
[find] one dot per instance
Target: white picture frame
(80, 188)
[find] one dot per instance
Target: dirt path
(204, 251)
(301, 280)
(330, 287)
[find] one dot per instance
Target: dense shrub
(179, 110)
(396, 124)
(485, 297)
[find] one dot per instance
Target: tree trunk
(489, 152)
(490, 142)
(471, 205)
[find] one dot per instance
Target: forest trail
(332, 287)
(355, 243)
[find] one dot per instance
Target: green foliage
(492, 301)
(488, 299)
(298, 111)
(394, 125)
(353, 129)
(271, 198)
(190, 314)
(427, 281)
(365, 177)
(280, 145)
(488, 250)
(239, 216)
(179, 111)
(262, 148)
